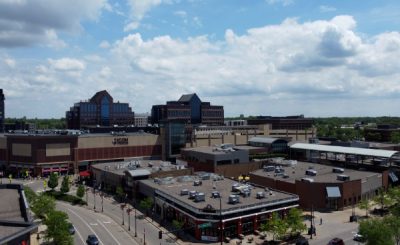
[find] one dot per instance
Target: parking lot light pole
(122, 208)
(102, 199)
(220, 219)
(129, 218)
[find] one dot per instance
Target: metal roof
(266, 140)
(345, 150)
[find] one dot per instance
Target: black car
(71, 229)
(92, 240)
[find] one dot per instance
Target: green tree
(393, 223)
(178, 226)
(294, 221)
(120, 193)
(364, 204)
(81, 191)
(65, 185)
(376, 231)
(146, 204)
(53, 181)
(383, 199)
(43, 205)
(277, 226)
(395, 137)
(264, 228)
(57, 228)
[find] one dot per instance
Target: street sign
(204, 225)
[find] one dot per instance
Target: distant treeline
(53, 123)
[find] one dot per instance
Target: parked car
(92, 240)
(71, 228)
(336, 241)
(358, 238)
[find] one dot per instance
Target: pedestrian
(320, 221)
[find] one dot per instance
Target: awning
(393, 177)
(84, 173)
(333, 192)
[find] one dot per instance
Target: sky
(254, 57)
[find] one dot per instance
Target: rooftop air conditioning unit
(199, 197)
(285, 176)
(246, 193)
(311, 172)
(192, 194)
(197, 183)
(233, 199)
(215, 194)
(184, 192)
(343, 177)
(338, 170)
(269, 168)
(309, 180)
(260, 195)
(235, 186)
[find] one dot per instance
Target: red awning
(84, 173)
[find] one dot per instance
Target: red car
(336, 241)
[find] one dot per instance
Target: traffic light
(159, 234)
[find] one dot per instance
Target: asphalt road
(87, 222)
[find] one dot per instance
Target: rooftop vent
(338, 170)
(285, 176)
(279, 170)
(246, 193)
(343, 177)
(310, 180)
(199, 197)
(235, 186)
(233, 199)
(184, 192)
(260, 195)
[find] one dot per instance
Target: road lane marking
(94, 224)
(106, 222)
(115, 239)
(80, 236)
(90, 228)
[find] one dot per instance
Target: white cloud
(283, 2)
(10, 62)
(67, 64)
(25, 23)
(104, 44)
(326, 8)
(318, 64)
(138, 10)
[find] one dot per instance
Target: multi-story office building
(289, 122)
(2, 98)
(142, 119)
(190, 109)
(100, 110)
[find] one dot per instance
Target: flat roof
(324, 173)
(173, 192)
(211, 150)
(344, 150)
(266, 140)
(10, 208)
(119, 167)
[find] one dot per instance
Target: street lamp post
(220, 219)
(122, 208)
(129, 218)
(87, 189)
(102, 200)
(94, 198)
(135, 220)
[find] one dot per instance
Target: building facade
(142, 119)
(190, 109)
(289, 122)
(100, 110)
(42, 154)
(2, 111)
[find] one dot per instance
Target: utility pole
(135, 219)
(122, 209)
(220, 219)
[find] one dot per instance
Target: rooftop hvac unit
(285, 176)
(197, 183)
(260, 195)
(338, 170)
(233, 199)
(184, 192)
(309, 180)
(215, 194)
(269, 168)
(343, 177)
(192, 194)
(235, 186)
(199, 197)
(279, 170)
(246, 193)
(311, 172)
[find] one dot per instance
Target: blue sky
(256, 57)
